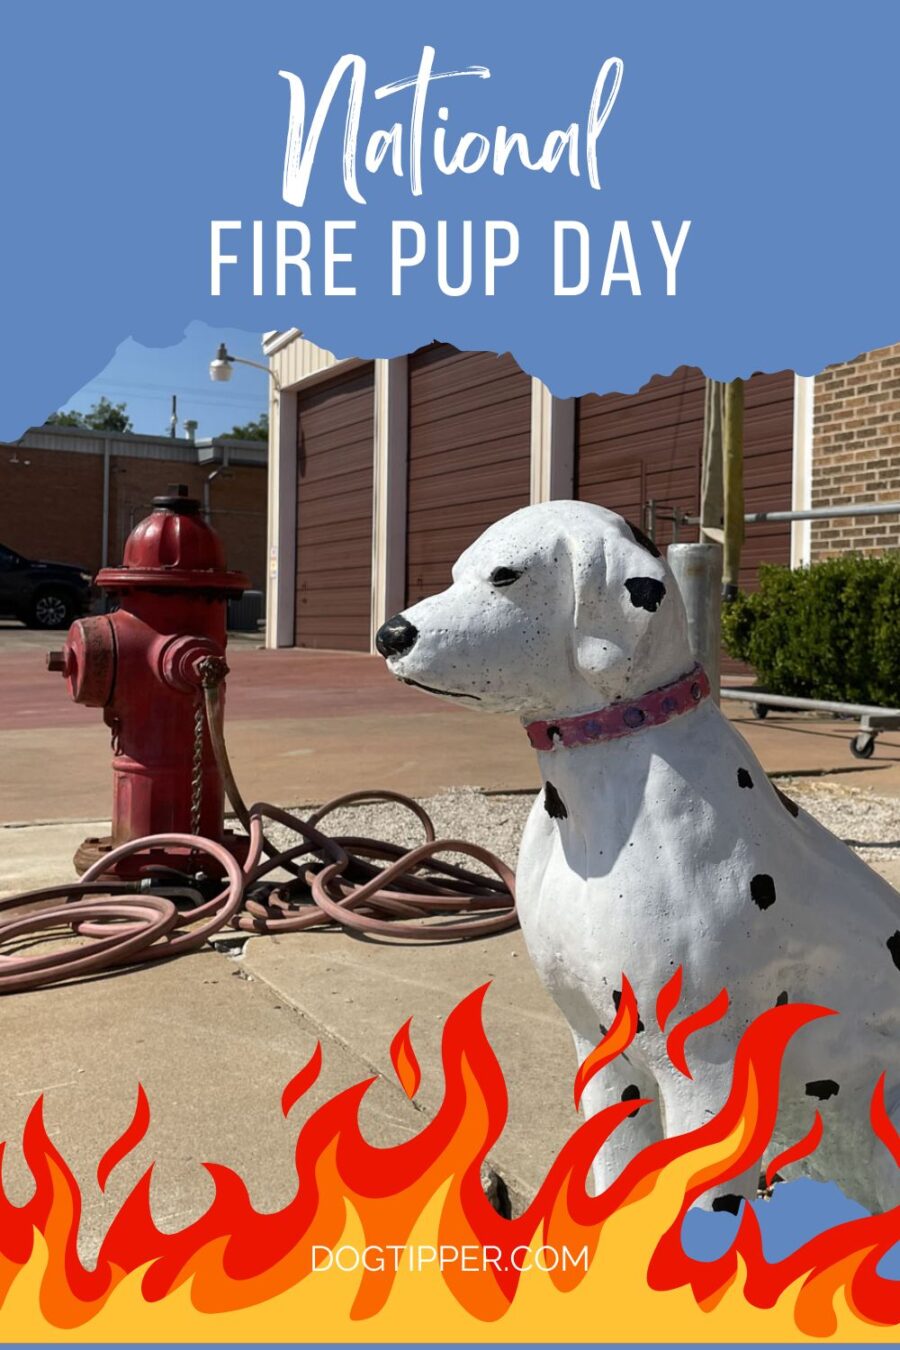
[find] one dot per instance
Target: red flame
(703, 1017)
(802, 1149)
(127, 1141)
(881, 1122)
(302, 1081)
(667, 999)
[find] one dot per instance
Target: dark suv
(42, 594)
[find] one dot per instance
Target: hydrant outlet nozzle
(180, 660)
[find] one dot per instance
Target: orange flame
(428, 1189)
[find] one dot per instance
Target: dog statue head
(556, 610)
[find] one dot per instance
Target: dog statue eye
(504, 576)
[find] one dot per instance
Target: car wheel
(51, 609)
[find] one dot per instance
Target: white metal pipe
(104, 527)
(814, 513)
(698, 570)
(810, 704)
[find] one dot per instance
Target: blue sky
(145, 378)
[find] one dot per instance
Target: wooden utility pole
(733, 486)
(722, 476)
(711, 501)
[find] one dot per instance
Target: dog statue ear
(630, 626)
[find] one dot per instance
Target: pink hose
(339, 880)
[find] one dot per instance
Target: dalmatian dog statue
(659, 842)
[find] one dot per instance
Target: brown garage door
(768, 469)
(335, 425)
(469, 456)
(631, 448)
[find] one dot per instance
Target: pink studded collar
(622, 719)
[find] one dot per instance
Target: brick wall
(51, 504)
(856, 451)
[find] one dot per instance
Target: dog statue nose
(396, 636)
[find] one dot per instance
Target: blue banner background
(127, 128)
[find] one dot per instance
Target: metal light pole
(698, 571)
(220, 367)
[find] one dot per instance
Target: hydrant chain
(197, 768)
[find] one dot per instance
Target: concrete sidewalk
(214, 1039)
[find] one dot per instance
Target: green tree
(251, 431)
(103, 416)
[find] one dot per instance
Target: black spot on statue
(782, 999)
(823, 1088)
(617, 999)
(644, 540)
(728, 1204)
(893, 946)
(554, 804)
(631, 1093)
(762, 890)
(787, 803)
(744, 779)
(646, 593)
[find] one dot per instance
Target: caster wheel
(862, 746)
(759, 710)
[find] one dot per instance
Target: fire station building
(382, 472)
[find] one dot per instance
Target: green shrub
(828, 631)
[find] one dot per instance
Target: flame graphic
(239, 1274)
(403, 1058)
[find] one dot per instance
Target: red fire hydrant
(142, 665)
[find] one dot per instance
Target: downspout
(104, 534)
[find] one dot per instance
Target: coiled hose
(366, 886)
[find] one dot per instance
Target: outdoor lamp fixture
(220, 368)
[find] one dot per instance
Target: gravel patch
(496, 822)
(868, 823)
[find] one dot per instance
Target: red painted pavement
(262, 685)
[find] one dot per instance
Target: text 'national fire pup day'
(293, 257)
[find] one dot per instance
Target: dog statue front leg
(616, 1082)
(690, 1103)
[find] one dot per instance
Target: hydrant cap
(174, 547)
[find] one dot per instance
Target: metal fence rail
(812, 513)
(656, 510)
(872, 719)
